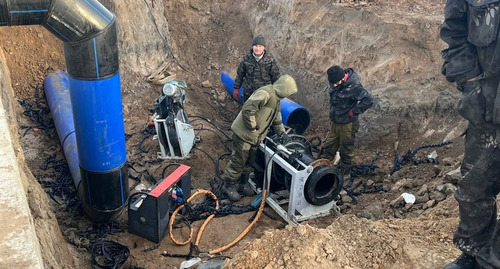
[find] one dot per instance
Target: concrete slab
(19, 246)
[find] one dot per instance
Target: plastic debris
(190, 263)
(409, 198)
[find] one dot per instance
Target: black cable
(62, 184)
(211, 122)
(186, 256)
(221, 107)
(409, 156)
(40, 115)
(165, 169)
(217, 169)
(108, 254)
(100, 230)
(314, 147)
(149, 131)
(213, 161)
(151, 248)
(224, 142)
(359, 170)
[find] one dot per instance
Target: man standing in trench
(261, 111)
(258, 68)
(348, 99)
(472, 61)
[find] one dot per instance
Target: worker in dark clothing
(472, 61)
(261, 111)
(258, 68)
(348, 99)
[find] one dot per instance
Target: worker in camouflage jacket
(348, 99)
(261, 111)
(472, 61)
(258, 68)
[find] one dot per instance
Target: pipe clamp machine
(300, 186)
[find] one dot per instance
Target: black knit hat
(335, 74)
(259, 40)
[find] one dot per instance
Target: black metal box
(149, 214)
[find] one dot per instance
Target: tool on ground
(174, 132)
(308, 186)
(149, 212)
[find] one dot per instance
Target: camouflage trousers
(478, 232)
(341, 138)
(242, 159)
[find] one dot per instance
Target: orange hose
(242, 234)
(191, 231)
(203, 226)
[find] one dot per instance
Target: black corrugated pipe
(88, 31)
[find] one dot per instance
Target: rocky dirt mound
(351, 242)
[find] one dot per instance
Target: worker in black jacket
(257, 69)
(472, 61)
(348, 99)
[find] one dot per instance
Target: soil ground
(374, 230)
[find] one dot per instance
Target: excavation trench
(395, 50)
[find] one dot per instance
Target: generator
(173, 130)
(300, 186)
(149, 212)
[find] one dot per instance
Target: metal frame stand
(298, 207)
(185, 137)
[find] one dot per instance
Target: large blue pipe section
(88, 31)
(293, 114)
(56, 87)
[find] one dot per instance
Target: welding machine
(295, 178)
(149, 212)
(174, 132)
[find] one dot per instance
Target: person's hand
(351, 113)
(236, 94)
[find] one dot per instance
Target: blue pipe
(57, 93)
(91, 137)
(228, 84)
(98, 121)
(88, 31)
(293, 114)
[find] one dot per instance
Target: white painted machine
(300, 186)
(174, 132)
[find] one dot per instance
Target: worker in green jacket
(261, 111)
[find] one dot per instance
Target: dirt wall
(395, 51)
(56, 253)
(395, 48)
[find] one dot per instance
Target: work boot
(346, 172)
(244, 186)
(463, 261)
(229, 188)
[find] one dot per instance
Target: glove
(351, 113)
(236, 94)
